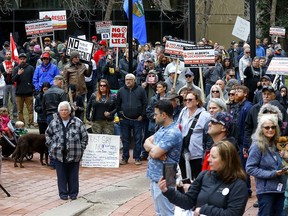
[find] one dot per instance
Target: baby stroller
(8, 145)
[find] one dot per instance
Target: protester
(163, 146)
(264, 163)
(76, 102)
(66, 138)
(177, 103)
(220, 191)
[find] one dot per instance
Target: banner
(277, 31)
(118, 36)
(278, 65)
(85, 48)
(199, 56)
(102, 151)
(174, 48)
(38, 28)
(241, 28)
(58, 18)
(103, 26)
(14, 51)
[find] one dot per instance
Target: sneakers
(138, 162)
(123, 162)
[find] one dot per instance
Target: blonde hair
(218, 89)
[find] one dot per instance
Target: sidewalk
(115, 192)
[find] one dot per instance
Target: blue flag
(139, 23)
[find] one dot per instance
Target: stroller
(8, 146)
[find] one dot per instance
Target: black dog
(29, 144)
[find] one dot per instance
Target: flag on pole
(139, 23)
(14, 51)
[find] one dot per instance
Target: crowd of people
(231, 135)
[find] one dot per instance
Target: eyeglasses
(267, 110)
(188, 76)
(188, 99)
(231, 94)
(232, 75)
(270, 127)
(215, 91)
(102, 85)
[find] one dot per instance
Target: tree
(5, 6)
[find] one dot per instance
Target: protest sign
(174, 47)
(118, 36)
(105, 36)
(59, 19)
(198, 56)
(38, 28)
(102, 151)
(241, 28)
(103, 26)
(277, 31)
(85, 48)
(278, 65)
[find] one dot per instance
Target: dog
(29, 144)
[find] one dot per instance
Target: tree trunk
(273, 13)
(206, 15)
(109, 10)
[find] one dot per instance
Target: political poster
(38, 28)
(278, 65)
(85, 48)
(277, 31)
(174, 48)
(118, 36)
(241, 29)
(102, 151)
(198, 56)
(103, 26)
(59, 18)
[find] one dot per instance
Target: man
(45, 72)
(52, 46)
(6, 68)
(75, 73)
(230, 74)
(67, 138)
(244, 62)
(189, 77)
(53, 60)
(131, 108)
(264, 81)
(181, 69)
(170, 81)
(176, 101)
(221, 84)
(164, 145)
(260, 51)
(23, 77)
(101, 52)
(6, 47)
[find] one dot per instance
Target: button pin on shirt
(225, 191)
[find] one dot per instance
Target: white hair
(66, 104)
(130, 75)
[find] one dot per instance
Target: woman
(103, 106)
(221, 191)
(193, 115)
(227, 64)
(265, 164)
(284, 97)
(215, 92)
(66, 139)
(163, 61)
(41, 118)
(231, 104)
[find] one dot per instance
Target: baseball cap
(189, 72)
(173, 70)
(173, 96)
(47, 39)
(94, 37)
(265, 77)
(225, 119)
(268, 88)
(59, 77)
(45, 55)
(6, 44)
(22, 55)
(157, 43)
(102, 42)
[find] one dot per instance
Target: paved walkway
(116, 192)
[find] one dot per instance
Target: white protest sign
(85, 48)
(241, 28)
(103, 26)
(102, 151)
(174, 48)
(118, 36)
(82, 37)
(59, 19)
(199, 56)
(277, 31)
(39, 27)
(278, 65)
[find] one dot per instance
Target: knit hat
(74, 54)
(225, 119)
(37, 49)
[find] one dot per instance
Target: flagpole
(130, 35)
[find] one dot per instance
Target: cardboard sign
(174, 48)
(102, 151)
(103, 26)
(241, 28)
(199, 56)
(38, 28)
(85, 48)
(118, 36)
(277, 31)
(59, 19)
(278, 65)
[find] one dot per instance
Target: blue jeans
(126, 126)
(161, 204)
(271, 204)
(67, 178)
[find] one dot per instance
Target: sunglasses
(188, 99)
(247, 52)
(45, 58)
(188, 76)
(231, 94)
(215, 91)
(214, 122)
(270, 127)
(232, 75)
(102, 85)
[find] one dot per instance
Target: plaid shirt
(66, 144)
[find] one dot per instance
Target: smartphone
(186, 181)
(169, 173)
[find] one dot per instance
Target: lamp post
(192, 17)
(253, 28)
(130, 35)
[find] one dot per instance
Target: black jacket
(51, 99)
(212, 195)
(131, 103)
(24, 82)
(111, 77)
(7, 77)
(38, 108)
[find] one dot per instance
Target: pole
(130, 35)
(252, 28)
(192, 20)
